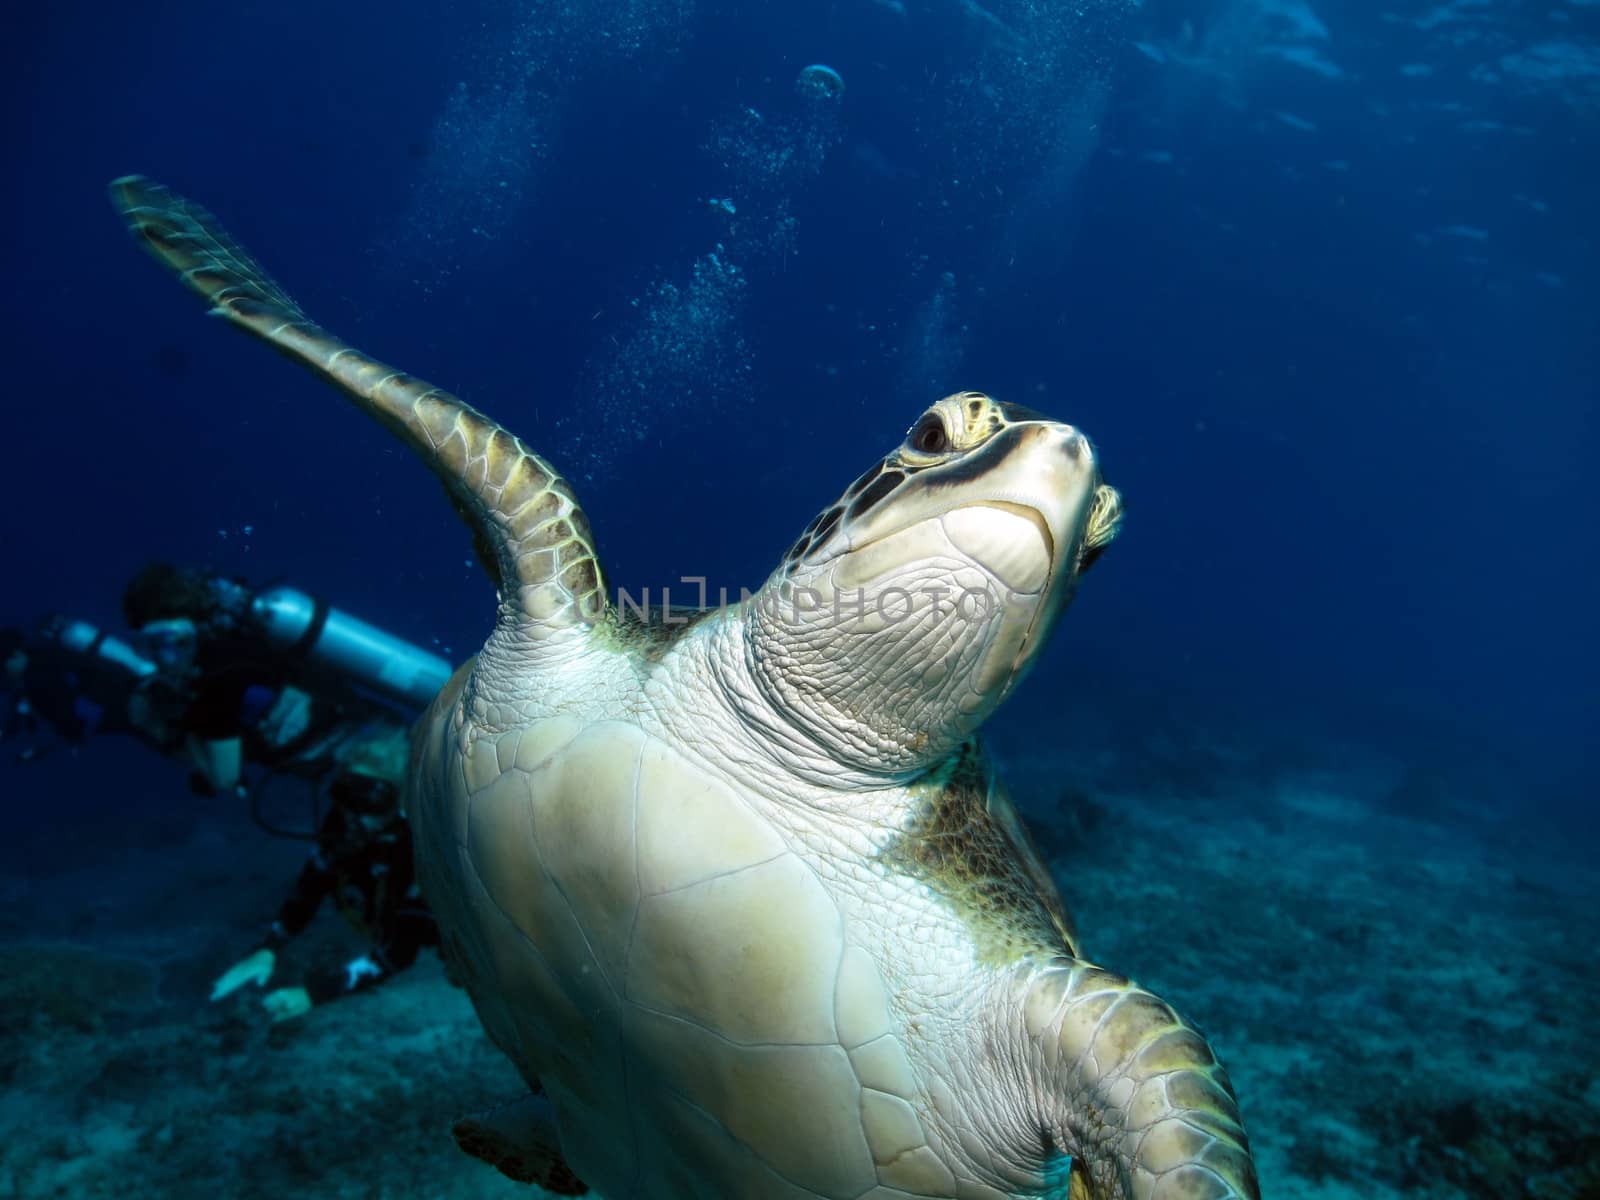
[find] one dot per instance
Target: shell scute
(693, 827)
(584, 814)
(796, 1108)
(751, 955)
(861, 1001)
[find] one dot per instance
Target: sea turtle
(737, 892)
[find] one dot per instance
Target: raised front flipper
(529, 529)
(1132, 1092)
(519, 1140)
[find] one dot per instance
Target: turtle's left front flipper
(529, 528)
(1130, 1090)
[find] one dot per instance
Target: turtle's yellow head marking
(908, 609)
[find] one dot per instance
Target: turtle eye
(928, 435)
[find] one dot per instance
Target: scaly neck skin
(849, 705)
(705, 689)
(733, 714)
(884, 696)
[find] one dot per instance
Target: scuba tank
(80, 637)
(336, 641)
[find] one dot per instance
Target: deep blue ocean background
(1321, 282)
(1345, 376)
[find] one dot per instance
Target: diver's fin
(525, 519)
(519, 1140)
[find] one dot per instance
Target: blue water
(1321, 283)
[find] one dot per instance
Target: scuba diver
(273, 677)
(362, 860)
(80, 681)
(246, 686)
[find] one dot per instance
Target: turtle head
(910, 608)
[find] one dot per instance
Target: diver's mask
(170, 643)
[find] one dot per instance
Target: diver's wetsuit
(236, 685)
(371, 877)
(238, 682)
(76, 694)
(82, 681)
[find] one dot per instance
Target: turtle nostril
(1074, 447)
